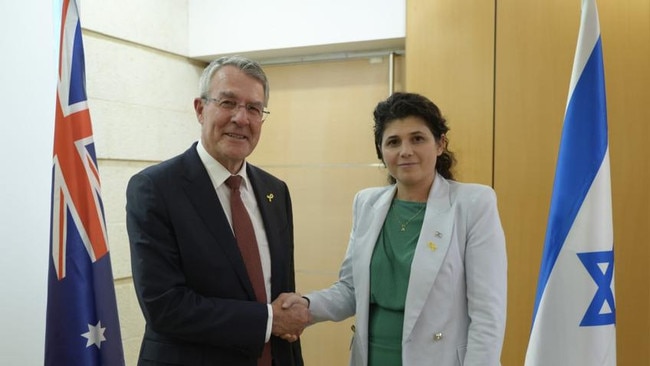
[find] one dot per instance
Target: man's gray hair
(248, 66)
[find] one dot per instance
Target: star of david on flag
(82, 325)
(574, 319)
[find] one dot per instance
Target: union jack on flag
(82, 326)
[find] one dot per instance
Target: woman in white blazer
(425, 268)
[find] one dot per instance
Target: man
(204, 295)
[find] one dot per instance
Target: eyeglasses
(255, 112)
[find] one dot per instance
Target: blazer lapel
(430, 252)
(197, 187)
(371, 217)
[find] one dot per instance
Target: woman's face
(410, 151)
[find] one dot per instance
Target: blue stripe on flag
(582, 148)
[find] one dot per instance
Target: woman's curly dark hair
(403, 105)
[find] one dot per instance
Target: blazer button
(437, 337)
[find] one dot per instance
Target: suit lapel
(271, 203)
(430, 252)
(197, 186)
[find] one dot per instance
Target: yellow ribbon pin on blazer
(270, 197)
(432, 246)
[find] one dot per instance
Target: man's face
(230, 134)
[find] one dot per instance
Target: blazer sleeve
(171, 307)
(486, 276)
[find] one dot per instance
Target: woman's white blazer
(455, 307)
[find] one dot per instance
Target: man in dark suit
(206, 299)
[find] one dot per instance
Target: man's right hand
(290, 316)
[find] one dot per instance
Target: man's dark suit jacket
(189, 276)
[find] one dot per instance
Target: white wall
(155, 23)
(27, 97)
(281, 28)
(140, 92)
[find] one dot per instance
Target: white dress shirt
(218, 175)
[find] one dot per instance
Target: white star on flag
(95, 335)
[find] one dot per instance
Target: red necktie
(245, 235)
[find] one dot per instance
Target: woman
(425, 268)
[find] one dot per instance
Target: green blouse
(390, 269)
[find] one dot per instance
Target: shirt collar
(217, 172)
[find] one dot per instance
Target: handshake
(290, 316)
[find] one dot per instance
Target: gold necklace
(403, 225)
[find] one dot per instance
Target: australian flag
(82, 323)
(574, 320)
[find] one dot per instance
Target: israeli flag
(574, 320)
